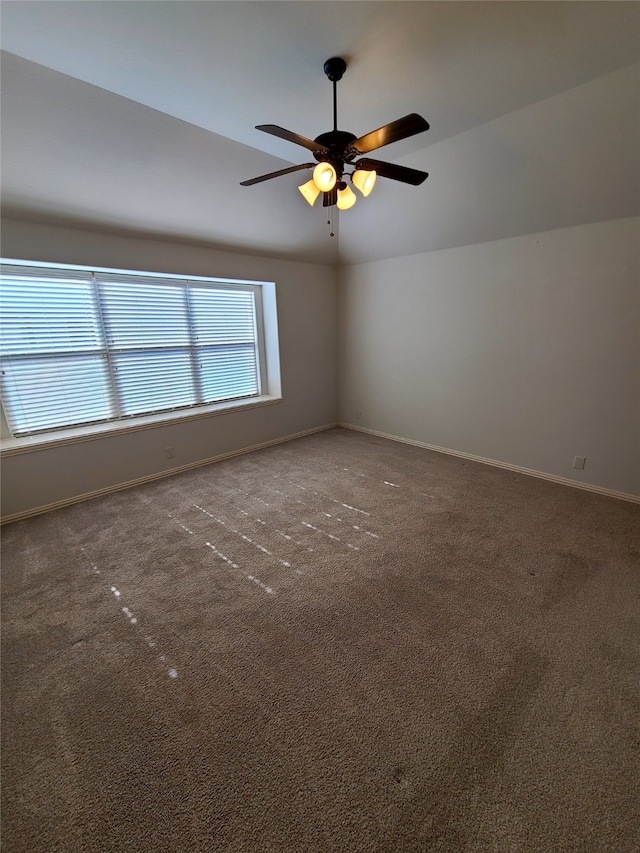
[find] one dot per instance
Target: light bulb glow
(324, 177)
(310, 191)
(364, 181)
(346, 198)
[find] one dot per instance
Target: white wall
(307, 325)
(525, 350)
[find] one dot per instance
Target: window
(83, 346)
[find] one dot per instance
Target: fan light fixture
(364, 181)
(310, 191)
(324, 177)
(346, 197)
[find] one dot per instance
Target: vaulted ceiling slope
(140, 116)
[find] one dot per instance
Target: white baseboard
(564, 481)
(19, 516)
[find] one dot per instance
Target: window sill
(27, 443)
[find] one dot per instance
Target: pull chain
(330, 222)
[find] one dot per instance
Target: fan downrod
(335, 140)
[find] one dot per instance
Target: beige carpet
(337, 644)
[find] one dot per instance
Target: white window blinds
(83, 347)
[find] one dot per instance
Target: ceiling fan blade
(393, 171)
(290, 136)
(402, 128)
(277, 174)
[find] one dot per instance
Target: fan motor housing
(337, 141)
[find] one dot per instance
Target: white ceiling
(533, 109)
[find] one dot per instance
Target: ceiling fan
(338, 150)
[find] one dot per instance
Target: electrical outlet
(579, 462)
(169, 453)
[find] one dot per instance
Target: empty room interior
(320, 426)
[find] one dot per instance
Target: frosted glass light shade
(346, 198)
(324, 177)
(310, 191)
(364, 181)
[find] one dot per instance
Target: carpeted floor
(337, 644)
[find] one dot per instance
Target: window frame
(267, 353)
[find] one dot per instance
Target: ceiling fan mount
(334, 68)
(341, 149)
